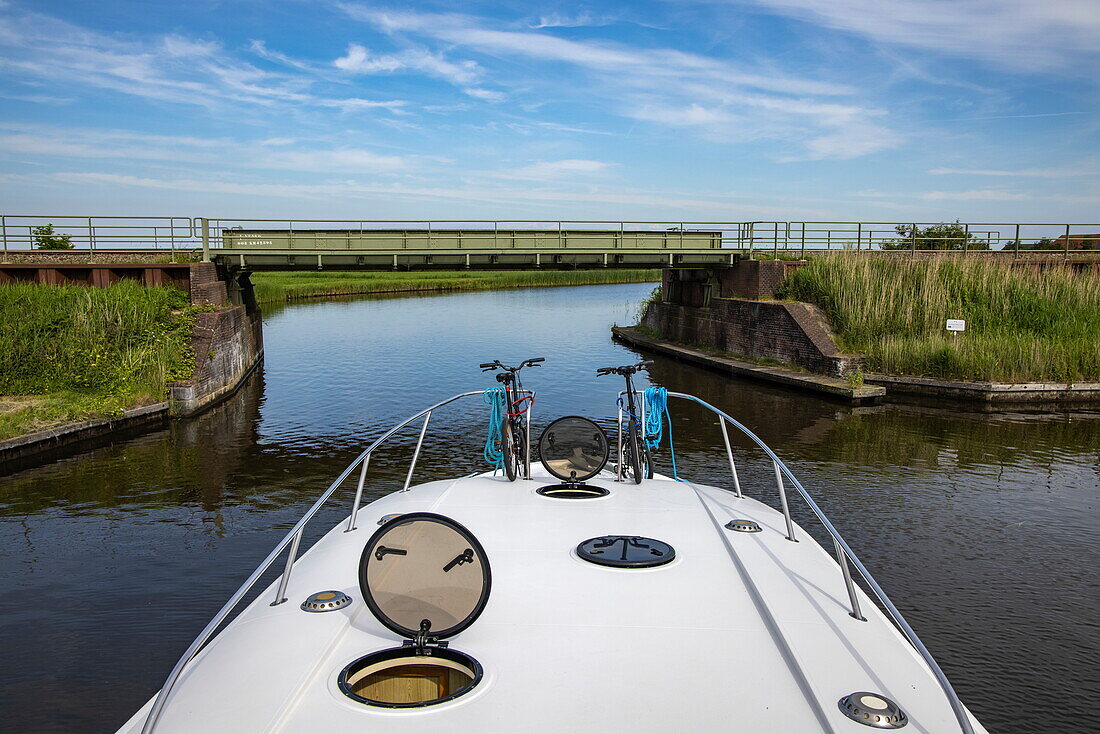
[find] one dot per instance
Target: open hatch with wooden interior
(425, 577)
(573, 449)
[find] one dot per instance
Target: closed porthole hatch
(626, 551)
(400, 678)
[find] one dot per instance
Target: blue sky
(731, 110)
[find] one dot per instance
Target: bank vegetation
(274, 287)
(73, 352)
(1023, 323)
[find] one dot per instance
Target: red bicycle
(513, 434)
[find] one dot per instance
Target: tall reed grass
(1022, 324)
(285, 286)
(89, 351)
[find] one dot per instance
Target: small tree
(45, 239)
(1043, 243)
(945, 236)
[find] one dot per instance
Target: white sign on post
(956, 325)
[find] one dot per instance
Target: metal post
(619, 463)
(729, 453)
(527, 446)
(1017, 240)
(966, 239)
(358, 494)
(775, 242)
(279, 598)
(802, 256)
(1065, 251)
(752, 237)
(842, 559)
(416, 454)
(914, 247)
(91, 235)
(783, 499)
(859, 235)
(205, 239)
(4, 235)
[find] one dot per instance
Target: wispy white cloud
(553, 170)
(718, 99)
(489, 95)
(580, 20)
(1024, 173)
(125, 145)
(168, 68)
(359, 60)
(353, 190)
(665, 64)
(1019, 34)
(974, 195)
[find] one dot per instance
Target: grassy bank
(1022, 325)
(72, 352)
(287, 286)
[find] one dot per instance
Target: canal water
(984, 528)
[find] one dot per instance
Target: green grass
(73, 352)
(1022, 324)
(275, 287)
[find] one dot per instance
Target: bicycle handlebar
(626, 369)
(496, 364)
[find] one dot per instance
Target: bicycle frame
(513, 386)
(635, 424)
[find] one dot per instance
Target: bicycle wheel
(519, 449)
(508, 448)
(646, 460)
(633, 454)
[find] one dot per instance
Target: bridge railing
(31, 232)
(753, 238)
(806, 237)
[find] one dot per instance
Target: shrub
(46, 239)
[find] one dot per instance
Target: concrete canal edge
(1059, 394)
(832, 387)
(228, 345)
(19, 451)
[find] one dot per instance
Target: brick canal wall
(723, 309)
(228, 342)
(792, 333)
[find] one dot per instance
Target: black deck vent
(626, 551)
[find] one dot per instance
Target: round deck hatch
(568, 491)
(573, 449)
(873, 709)
(424, 576)
(626, 551)
(399, 678)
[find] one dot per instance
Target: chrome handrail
(293, 539)
(844, 554)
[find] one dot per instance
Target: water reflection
(982, 527)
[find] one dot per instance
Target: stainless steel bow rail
(844, 552)
(293, 539)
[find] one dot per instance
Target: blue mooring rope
(494, 398)
(656, 409)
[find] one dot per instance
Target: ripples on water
(983, 528)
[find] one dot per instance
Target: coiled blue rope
(494, 398)
(656, 414)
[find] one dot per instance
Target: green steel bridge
(267, 244)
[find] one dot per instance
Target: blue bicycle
(633, 450)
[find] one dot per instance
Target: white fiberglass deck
(745, 632)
